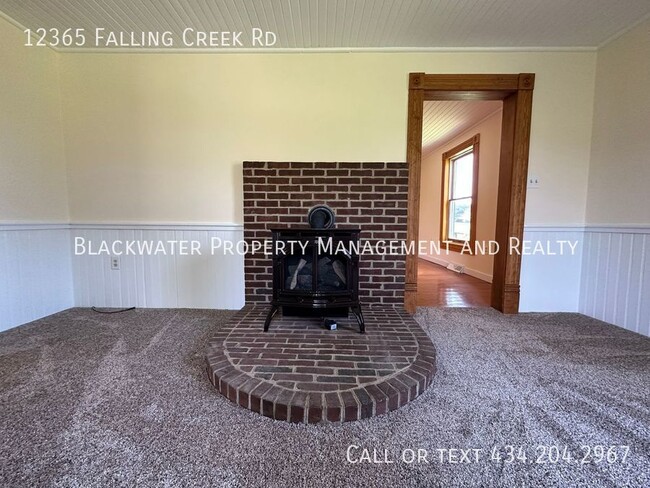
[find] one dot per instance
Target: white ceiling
(442, 121)
(332, 24)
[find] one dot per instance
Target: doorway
(459, 178)
(515, 90)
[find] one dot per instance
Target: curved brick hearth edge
(300, 372)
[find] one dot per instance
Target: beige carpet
(119, 400)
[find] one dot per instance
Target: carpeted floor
(119, 400)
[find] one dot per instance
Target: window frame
(458, 245)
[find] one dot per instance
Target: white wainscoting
(551, 283)
(159, 281)
(35, 272)
(607, 278)
(615, 284)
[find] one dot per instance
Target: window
(459, 189)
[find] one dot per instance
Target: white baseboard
(468, 271)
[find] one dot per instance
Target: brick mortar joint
(379, 380)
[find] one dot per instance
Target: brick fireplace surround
(372, 196)
(298, 371)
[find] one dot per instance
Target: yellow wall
(161, 137)
(619, 179)
(488, 182)
(32, 165)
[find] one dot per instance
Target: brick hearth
(301, 372)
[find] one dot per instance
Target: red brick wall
(372, 196)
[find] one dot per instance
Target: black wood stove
(316, 273)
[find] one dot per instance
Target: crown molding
(325, 50)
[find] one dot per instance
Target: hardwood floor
(439, 287)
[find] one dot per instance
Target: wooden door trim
(516, 91)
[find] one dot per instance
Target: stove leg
(356, 310)
(269, 316)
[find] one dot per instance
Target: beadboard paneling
(551, 283)
(615, 283)
(318, 24)
(608, 278)
(442, 121)
(159, 281)
(35, 272)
